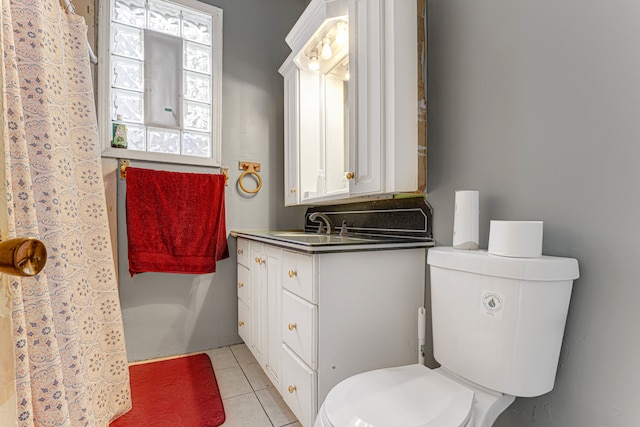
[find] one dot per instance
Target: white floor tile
(249, 398)
(243, 354)
(232, 382)
(222, 358)
(277, 411)
(256, 376)
(244, 411)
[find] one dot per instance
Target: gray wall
(166, 314)
(536, 104)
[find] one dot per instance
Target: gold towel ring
(250, 168)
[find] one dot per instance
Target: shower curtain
(69, 361)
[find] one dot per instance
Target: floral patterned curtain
(68, 341)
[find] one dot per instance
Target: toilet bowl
(488, 313)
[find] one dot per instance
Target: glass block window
(164, 78)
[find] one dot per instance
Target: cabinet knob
(259, 260)
(350, 175)
(240, 251)
(292, 389)
(292, 326)
(293, 273)
(240, 284)
(293, 190)
(241, 323)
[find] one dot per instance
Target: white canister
(519, 239)
(466, 220)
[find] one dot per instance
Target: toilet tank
(499, 321)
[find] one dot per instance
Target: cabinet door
(259, 328)
(244, 322)
(273, 257)
(299, 326)
(244, 285)
(243, 252)
(291, 134)
(366, 102)
(298, 277)
(299, 387)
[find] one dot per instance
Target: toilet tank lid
(543, 269)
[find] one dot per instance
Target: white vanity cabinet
(340, 313)
(352, 125)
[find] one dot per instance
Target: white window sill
(123, 153)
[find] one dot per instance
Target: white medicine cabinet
(355, 107)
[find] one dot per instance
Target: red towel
(175, 221)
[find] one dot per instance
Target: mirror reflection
(324, 112)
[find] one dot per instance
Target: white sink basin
(316, 238)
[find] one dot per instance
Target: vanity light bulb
(326, 53)
(341, 34)
(314, 65)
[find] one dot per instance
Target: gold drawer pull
(292, 389)
(293, 273)
(240, 251)
(241, 323)
(260, 260)
(292, 326)
(240, 284)
(350, 175)
(293, 190)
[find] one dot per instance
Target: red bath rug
(180, 392)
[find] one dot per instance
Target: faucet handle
(343, 227)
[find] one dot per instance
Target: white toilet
(498, 324)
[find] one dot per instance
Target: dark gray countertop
(310, 242)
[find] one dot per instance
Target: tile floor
(249, 398)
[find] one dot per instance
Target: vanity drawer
(299, 326)
(244, 276)
(297, 272)
(244, 323)
(243, 252)
(299, 387)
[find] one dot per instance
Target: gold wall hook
(22, 256)
(124, 164)
(225, 172)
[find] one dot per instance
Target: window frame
(105, 90)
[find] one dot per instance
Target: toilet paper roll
(519, 239)
(465, 220)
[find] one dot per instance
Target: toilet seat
(408, 396)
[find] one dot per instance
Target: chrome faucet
(322, 219)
